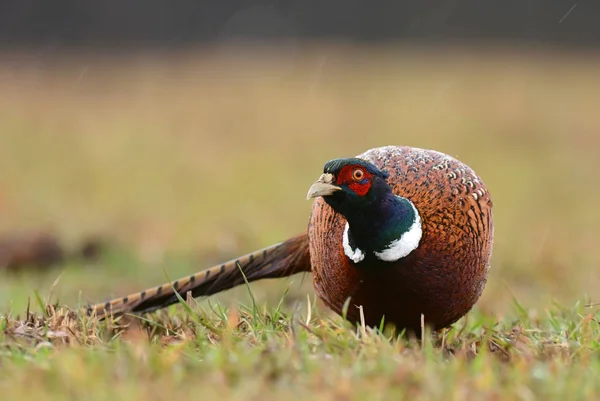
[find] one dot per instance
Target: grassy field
(187, 159)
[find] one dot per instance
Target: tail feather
(280, 260)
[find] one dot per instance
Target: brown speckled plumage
(441, 279)
(444, 276)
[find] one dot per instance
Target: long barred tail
(280, 260)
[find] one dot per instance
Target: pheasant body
(443, 277)
(399, 231)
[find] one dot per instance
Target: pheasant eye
(358, 175)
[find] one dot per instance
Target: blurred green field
(187, 159)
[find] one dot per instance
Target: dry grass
(188, 159)
(245, 353)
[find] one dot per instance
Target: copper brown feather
(440, 279)
(284, 259)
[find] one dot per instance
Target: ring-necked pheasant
(400, 231)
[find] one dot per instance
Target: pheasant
(396, 234)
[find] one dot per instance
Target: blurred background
(149, 138)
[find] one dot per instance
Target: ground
(184, 160)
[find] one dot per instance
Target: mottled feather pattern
(280, 260)
(444, 276)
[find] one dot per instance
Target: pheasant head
(381, 226)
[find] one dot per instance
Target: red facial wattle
(359, 184)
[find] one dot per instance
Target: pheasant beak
(323, 187)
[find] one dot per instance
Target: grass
(243, 353)
(185, 160)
